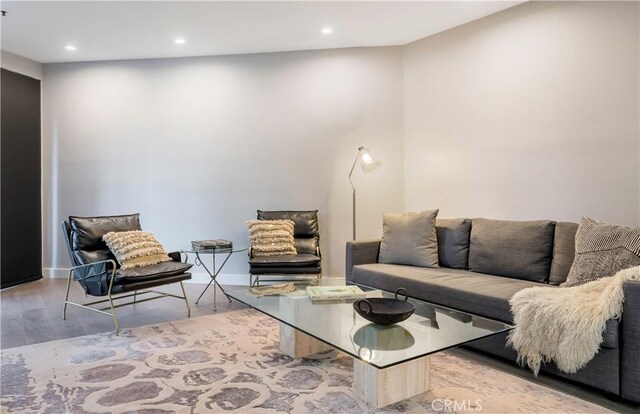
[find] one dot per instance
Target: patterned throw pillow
(135, 248)
(602, 249)
(271, 237)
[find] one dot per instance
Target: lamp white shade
(367, 163)
(366, 160)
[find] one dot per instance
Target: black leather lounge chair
(95, 267)
(307, 261)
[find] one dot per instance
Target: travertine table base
(298, 344)
(377, 387)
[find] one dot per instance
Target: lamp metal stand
(354, 191)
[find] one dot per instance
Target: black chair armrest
(93, 269)
(177, 256)
(95, 278)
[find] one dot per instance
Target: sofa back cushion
(453, 242)
(564, 249)
(518, 249)
(86, 234)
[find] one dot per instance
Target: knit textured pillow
(135, 248)
(271, 237)
(602, 249)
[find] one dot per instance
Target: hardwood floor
(32, 313)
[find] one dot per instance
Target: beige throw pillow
(271, 237)
(602, 249)
(135, 248)
(410, 239)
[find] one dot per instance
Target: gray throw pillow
(517, 249)
(410, 239)
(602, 250)
(453, 242)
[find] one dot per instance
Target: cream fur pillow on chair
(271, 237)
(135, 248)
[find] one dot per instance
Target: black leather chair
(96, 269)
(308, 259)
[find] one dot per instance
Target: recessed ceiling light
(327, 30)
(71, 48)
(179, 41)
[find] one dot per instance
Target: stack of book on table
(334, 293)
(216, 244)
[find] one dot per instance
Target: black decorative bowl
(384, 311)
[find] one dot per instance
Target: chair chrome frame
(310, 278)
(110, 310)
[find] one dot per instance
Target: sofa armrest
(361, 252)
(630, 343)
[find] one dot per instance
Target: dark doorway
(20, 176)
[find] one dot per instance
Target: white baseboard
(200, 277)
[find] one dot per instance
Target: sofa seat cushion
(294, 260)
(151, 272)
(480, 294)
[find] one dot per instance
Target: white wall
(529, 113)
(196, 145)
(19, 64)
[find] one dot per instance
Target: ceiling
(111, 30)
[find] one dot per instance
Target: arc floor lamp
(367, 164)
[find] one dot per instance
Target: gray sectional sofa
(483, 263)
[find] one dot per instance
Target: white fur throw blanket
(565, 325)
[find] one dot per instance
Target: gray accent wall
(530, 113)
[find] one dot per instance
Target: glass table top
(432, 328)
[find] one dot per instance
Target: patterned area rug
(231, 362)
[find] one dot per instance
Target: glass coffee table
(391, 363)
